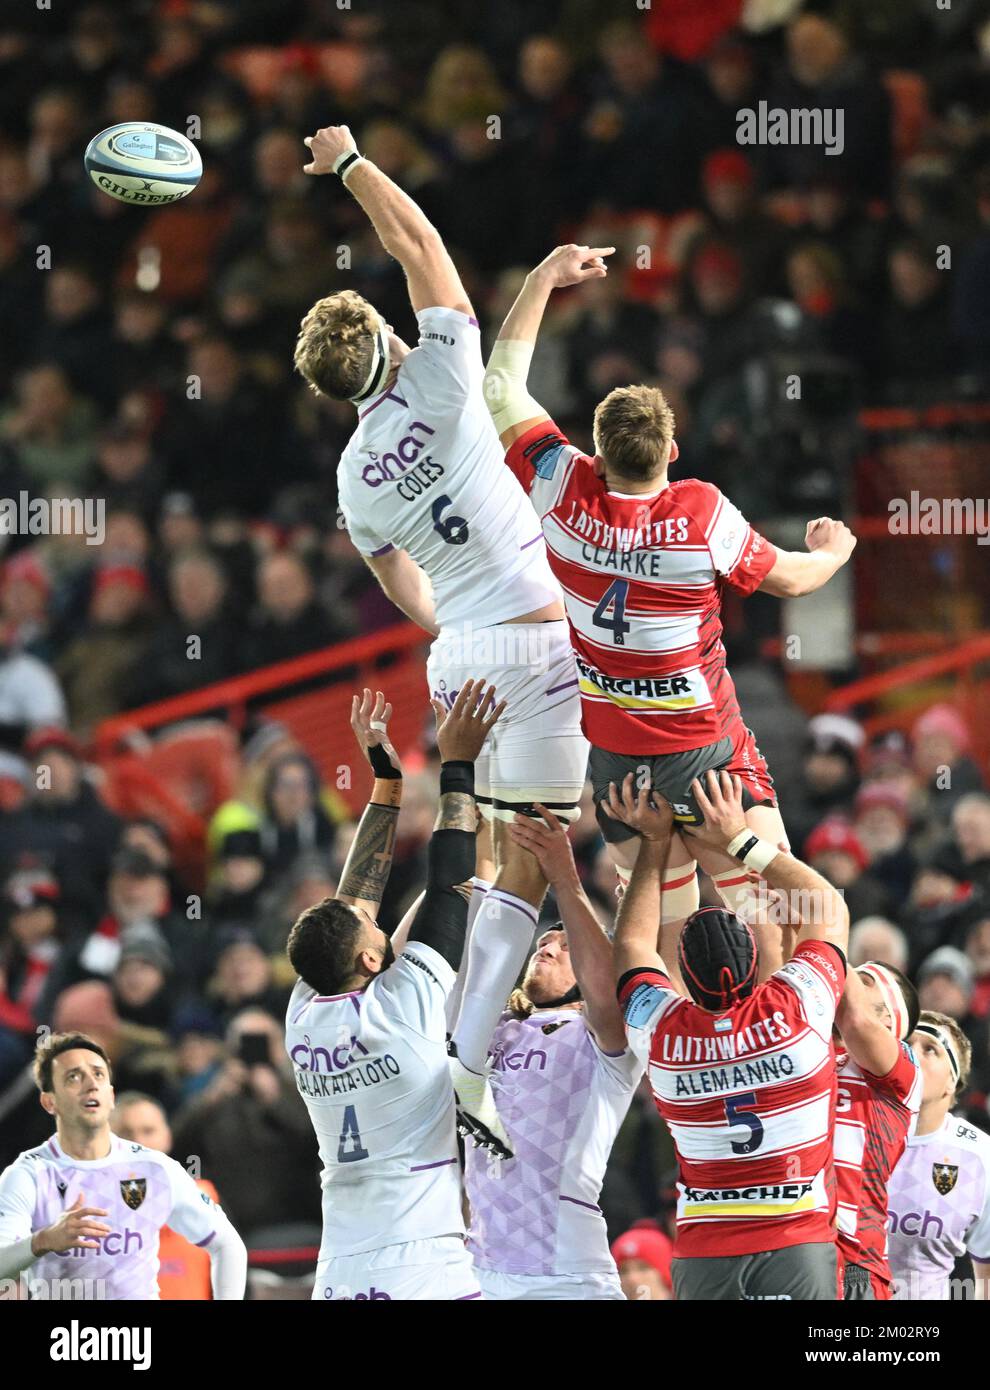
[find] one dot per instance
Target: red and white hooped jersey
(749, 1098)
(874, 1116)
(643, 578)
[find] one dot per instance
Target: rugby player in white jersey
(80, 1215)
(565, 1078)
(938, 1196)
(366, 1033)
(455, 543)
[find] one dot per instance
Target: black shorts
(671, 774)
(795, 1273)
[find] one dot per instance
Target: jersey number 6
(455, 529)
(739, 1111)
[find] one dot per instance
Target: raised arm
(512, 408)
(407, 585)
(812, 903)
(589, 947)
(830, 544)
(403, 228)
(870, 1042)
(369, 862)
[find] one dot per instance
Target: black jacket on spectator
(75, 840)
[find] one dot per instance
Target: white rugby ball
(142, 163)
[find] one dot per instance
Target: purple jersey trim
(330, 998)
(207, 1239)
(532, 542)
(566, 686)
(474, 324)
(463, 1298)
(385, 396)
(524, 907)
(440, 1163)
(383, 550)
(577, 1203)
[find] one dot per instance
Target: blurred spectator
(97, 666)
(830, 777)
(235, 894)
(940, 743)
(914, 343)
(140, 980)
(25, 592)
(64, 825)
(30, 938)
(243, 977)
(836, 851)
(196, 1036)
(978, 952)
(945, 983)
(881, 822)
(75, 330)
(252, 1107)
(51, 430)
(878, 939)
(643, 1259)
(289, 621)
(127, 475)
(971, 286)
(294, 820)
(733, 217)
(971, 831)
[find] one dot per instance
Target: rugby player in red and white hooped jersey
(880, 1088)
(643, 563)
(743, 1073)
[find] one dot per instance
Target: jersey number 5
(351, 1135)
(739, 1111)
(614, 597)
(455, 529)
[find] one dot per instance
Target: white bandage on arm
(508, 401)
(16, 1258)
(228, 1261)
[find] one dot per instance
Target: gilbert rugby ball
(145, 164)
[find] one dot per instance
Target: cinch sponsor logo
(76, 1343)
(109, 1245)
(782, 1192)
(438, 338)
(519, 1061)
(401, 458)
(327, 1059)
(344, 1295)
(916, 1223)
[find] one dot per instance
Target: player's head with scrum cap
(345, 349)
(718, 958)
(73, 1073)
(549, 980)
(336, 948)
(945, 1056)
(634, 434)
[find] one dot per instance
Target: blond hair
(336, 344)
(964, 1048)
(633, 432)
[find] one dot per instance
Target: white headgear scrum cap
(890, 991)
(379, 364)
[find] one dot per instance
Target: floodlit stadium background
(820, 324)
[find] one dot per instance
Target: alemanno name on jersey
(749, 1097)
(424, 472)
(643, 578)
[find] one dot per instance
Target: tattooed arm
(366, 870)
(441, 919)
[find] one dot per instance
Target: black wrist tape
(457, 776)
(381, 764)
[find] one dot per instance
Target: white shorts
(439, 1269)
(536, 752)
(574, 1287)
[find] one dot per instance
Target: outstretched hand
(570, 265)
(462, 730)
(326, 147)
(365, 714)
(548, 843)
(652, 816)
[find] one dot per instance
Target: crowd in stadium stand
(146, 360)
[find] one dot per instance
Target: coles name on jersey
(748, 1096)
(372, 1069)
(424, 472)
(873, 1117)
(642, 578)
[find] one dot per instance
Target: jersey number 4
(350, 1135)
(739, 1111)
(614, 597)
(454, 529)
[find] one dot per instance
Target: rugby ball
(145, 164)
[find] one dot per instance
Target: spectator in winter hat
(837, 852)
(881, 823)
(25, 591)
(642, 1256)
(830, 774)
(940, 741)
(96, 668)
(945, 983)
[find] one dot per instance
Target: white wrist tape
(508, 401)
(733, 846)
(349, 159)
(762, 853)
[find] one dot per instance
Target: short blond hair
(336, 344)
(634, 429)
(964, 1048)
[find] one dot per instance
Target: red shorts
(748, 763)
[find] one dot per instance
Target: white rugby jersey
(140, 1189)
(372, 1068)
(562, 1101)
(424, 472)
(938, 1198)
